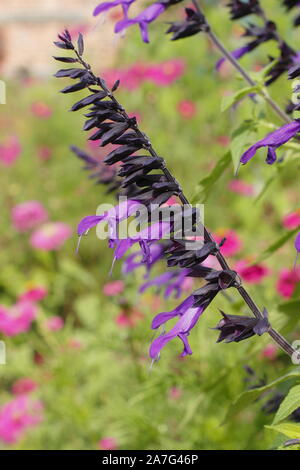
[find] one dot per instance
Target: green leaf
(247, 397)
(229, 101)
(290, 308)
(242, 138)
(277, 244)
(289, 404)
(206, 185)
(288, 429)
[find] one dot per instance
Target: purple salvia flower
(237, 54)
(145, 238)
(171, 280)
(113, 216)
(273, 141)
(297, 246)
(135, 260)
(105, 6)
(189, 316)
(143, 19)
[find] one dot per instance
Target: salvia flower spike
(110, 122)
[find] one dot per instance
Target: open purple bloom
(189, 316)
(135, 260)
(171, 280)
(273, 141)
(113, 216)
(145, 238)
(105, 6)
(143, 19)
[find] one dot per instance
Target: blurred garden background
(77, 372)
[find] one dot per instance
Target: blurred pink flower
(187, 109)
(34, 294)
(223, 140)
(23, 386)
(241, 187)
(187, 284)
(270, 352)
(132, 77)
(251, 273)
(292, 220)
(50, 236)
(28, 215)
(175, 393)
(232, 244)
(17, 319)
(166, 72)
(10, 151)
(108, 443)
(80, 28)
(75, 343)
(113, 288)
(128, 319)
(45, 153)
(41, 110)
(17, 416)
(54, 323)
(287, 282)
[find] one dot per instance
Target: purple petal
(144, 31)
(124, 24)
(186, 347)
(88, 222)
(271, 156)
(237, 54)
(162, 318)
(274, 139)
(105, 6)
(297, 243)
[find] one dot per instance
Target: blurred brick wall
(28, 28)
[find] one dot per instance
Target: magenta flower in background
(113, 288)
(241, 187)
(270, 352)
(50, 236)
(253, 274)
(142, 19)
(17, 319)
(128, 319)
(292, 220)
(10, 151)
(232, 244)
(34, 294)
(55, 323)
(18, 416)
(27, 215)
(175, 393)
(23, 386)
(272, 141)
(41, 110)
(166, 72)
(44, 153)
(108, 443)
(187, 109)
(288, 281)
